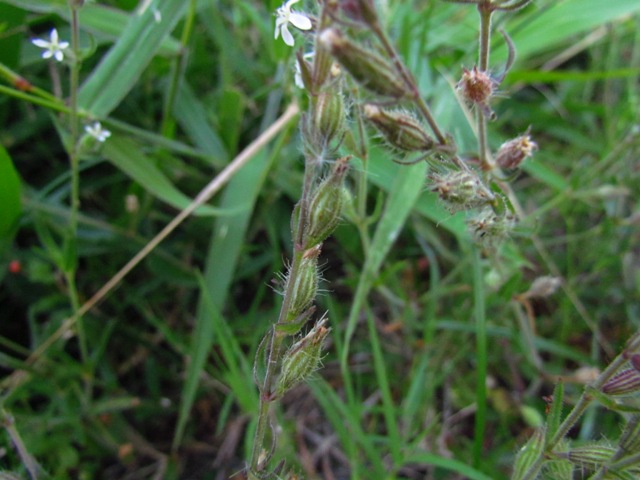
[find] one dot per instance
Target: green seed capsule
(302, 359)
(400, 129)
(326, 205)
(306, 284)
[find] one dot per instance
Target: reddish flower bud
(15, 266)
(624, 383)
(512, 153)
(477, 87)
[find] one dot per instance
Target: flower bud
(461, 190)
(401, 129)
(477, 87)
(368, 68)
(326, 204)
(543, 287)
(592, 455)
(305, 283)
(627, 382)
(302, 359)
(512, 153)
(528, 454)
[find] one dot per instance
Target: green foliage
(437, 356)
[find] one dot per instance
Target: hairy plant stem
(486, 10)
(276, 339)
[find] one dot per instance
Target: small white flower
(97, 132)
(285, 17)
(53, 48)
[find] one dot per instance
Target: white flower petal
(63, 45)
(38, 42)
(47, 54)
(300, 21)
(286, 36)
(279, 23)
(58, 55)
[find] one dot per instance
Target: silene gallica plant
(355, 83)
(421, 352)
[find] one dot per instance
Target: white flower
(285, 17)
(53, 48)
(97, 132)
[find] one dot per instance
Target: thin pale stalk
(74, 157)
(176, 72)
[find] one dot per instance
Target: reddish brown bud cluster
(477, 87)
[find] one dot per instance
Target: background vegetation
(166, 390)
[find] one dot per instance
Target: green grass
(433, 369)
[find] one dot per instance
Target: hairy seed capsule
(368, 68)
(401, 129)
(528, 454)
(592, 455)
(461, 190)
(303, 358)
(328, 116)
(326, 204)
(306, 284)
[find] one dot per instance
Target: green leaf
(128, 157)
(561, 21)
(121, 67)
(9, 199)
(555, 412)
(404, 192)
(192, 117)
